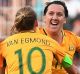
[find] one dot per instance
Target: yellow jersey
(70, 44)
(30, 53)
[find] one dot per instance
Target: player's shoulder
(45, 37)
(71, 36)
(40, 30)
(69, 33)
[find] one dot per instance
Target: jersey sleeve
(76, 41)
(1, 54)
(60, 54)
(58, 51)
(78, 44)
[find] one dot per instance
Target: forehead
(56, 7)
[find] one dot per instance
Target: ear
(36, 23)
(65, 20)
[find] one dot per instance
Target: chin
(54, 30)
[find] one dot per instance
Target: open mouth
(54, 22)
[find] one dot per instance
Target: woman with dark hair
(55, 16)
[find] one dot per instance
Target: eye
(59, 14)
(51, 13)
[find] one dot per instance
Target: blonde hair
(24, 20)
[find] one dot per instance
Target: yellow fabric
(70, 44)
(19, 46)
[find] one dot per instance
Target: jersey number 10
(19, 53)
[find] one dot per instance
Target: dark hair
(59, 3)
(24, 20)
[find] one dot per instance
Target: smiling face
(55, 18)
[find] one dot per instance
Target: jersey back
(29, 53)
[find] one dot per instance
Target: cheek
(46, 19)
(62, 21)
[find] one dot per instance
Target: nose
(54, 16)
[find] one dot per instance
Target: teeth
(54, 23)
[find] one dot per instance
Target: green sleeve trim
(67, 62)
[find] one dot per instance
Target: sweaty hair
(58, 3)
(24, 20)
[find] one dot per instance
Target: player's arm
(2, 70)
(69, 66)
(72, 70)
(66, 62)
(2, 65)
